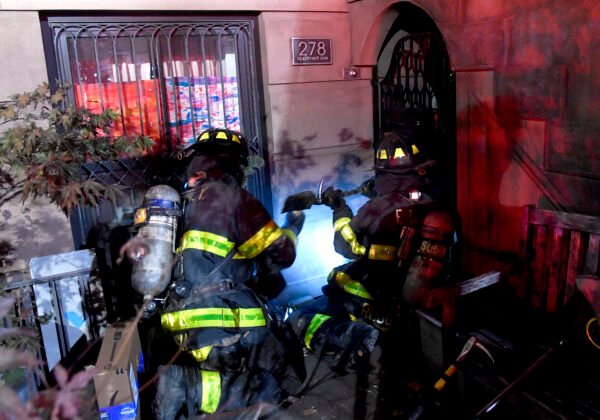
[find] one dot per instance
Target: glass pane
(115, 72)
(201, 84)
(168, 82)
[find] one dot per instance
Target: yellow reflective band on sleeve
(314, 325)
(213, 317)
(201, 354)
(211, 390)
(206, 241)
(261, 240)
(342, 225)
(351, 286)
(290, 235)
(382, 252)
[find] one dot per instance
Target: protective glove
(367, 188)
(294, 220)
(334, 199)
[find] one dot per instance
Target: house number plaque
(311, 51)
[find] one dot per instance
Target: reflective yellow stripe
(206, 241)
(201, 354)
(382, 252)
(221, 135)
(342, 225)
(181, 339)
(399, 153)
(351, 286)
(211, 390)
(213, 317)
(260, 240)
(314, 325)
(290, 235)
(414, 149)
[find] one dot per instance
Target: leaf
(43, 89)
(11, 405)
(112, 192)
(61, 375)
(57, 97)
(11, 358)
(70, 197)
(8, 113)
(24, 100)
(81, 379)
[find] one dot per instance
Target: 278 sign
(310, 51)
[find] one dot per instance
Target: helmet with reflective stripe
(218, 148)
(220, 141)
(397, 152)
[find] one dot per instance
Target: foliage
(46, 142)
(18, 348)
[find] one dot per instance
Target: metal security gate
(418, 88)
(169, 78)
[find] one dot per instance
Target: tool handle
(443, 380)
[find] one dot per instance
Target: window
(168, 77)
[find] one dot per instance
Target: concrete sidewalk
(351, 395)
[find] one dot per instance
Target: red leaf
(61, 375)
(81, 379)
(11, 405)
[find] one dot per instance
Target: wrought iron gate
(418, 88)
(167, 77)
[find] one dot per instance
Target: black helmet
(398, 153)
(217, 148)
(219, 142)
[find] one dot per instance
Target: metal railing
(60, 297)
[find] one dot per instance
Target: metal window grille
(169, 78)
(414, 80)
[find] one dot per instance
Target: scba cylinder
(430, 263)
(151, 274)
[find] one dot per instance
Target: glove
(294, 220)
(367, 188)
(334, 199)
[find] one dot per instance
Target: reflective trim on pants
(314, 325)
(213, 317)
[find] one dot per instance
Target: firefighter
(399, 245)
(232, 252)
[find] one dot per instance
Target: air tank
(151, 274)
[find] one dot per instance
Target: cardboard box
(120, 360)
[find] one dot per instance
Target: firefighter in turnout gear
(232, 252)
(399, 245)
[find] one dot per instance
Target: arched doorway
(415, 85)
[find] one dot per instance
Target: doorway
(414, 85)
